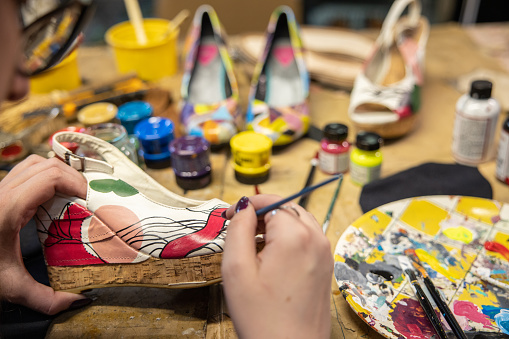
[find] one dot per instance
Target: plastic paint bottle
(366, 158)
(190, 158)
(155, 135)
(251, 154)
(502, 171)
(334, 157)
(475, 124)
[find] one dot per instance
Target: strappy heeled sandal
(129, 230)
(386, 94)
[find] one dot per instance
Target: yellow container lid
(251, 153)
(97, 113)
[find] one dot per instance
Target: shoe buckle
(72, 159)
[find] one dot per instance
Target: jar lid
(190, 156)
(335, 132)
(368, 141)
(154, 128)
(481, 89)
(251, 142)
(97, 113)
(134, 111)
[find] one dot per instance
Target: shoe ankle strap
(78, 162)
(386, 36)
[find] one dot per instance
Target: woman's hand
(29, 184)
(284, 290)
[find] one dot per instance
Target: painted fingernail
(242, 204)
(223, 214)
(79, 303)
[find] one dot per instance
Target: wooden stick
(134, 13)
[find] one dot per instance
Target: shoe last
(127, 217)
(278, 101)
(209, 104)
(386, 93)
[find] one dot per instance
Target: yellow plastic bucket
(154, 60)
(63, 76)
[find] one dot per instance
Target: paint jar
(334, 156)
(190, 158)
(131, 113)
(13, 152)
(116, 135)
(502, 171)
(155, 135)
(63, 76)
(475, 125)
(152, 61)
(366, 158)
(251, 153)
(97, 113)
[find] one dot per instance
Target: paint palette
(448, 234)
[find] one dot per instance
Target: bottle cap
(335, 132)
(191, 162)
(368, 141)
(481, 89)
(251, 152)
(131, 113)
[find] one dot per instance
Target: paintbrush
(484, 275)
(305, 190)
(437, 297)
(303, 201)
(408, 270)
(326, 222)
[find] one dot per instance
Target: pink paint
(470, 310)
(207, 53)
(497, 247)
(284, 55)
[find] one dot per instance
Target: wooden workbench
(202, 313)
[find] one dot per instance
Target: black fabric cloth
(423, 180)
(21, 322)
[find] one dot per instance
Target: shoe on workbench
(129, 230)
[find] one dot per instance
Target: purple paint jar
(191, 162)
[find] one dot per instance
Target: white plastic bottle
(475, 125)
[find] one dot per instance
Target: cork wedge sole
(162, 273)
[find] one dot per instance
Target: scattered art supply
(306, 190)
(116, 135)
(326, 222)
(251, 154)
(334, 156)
(155, 135)
(366, 158)
(475, 125)
(303, 201)
(472, 280)
(97, 113)
(131, 113)
(421, 296)
(136, 19)
(190, 156)
(502, 171)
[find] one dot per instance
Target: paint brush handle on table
(305, 190)
(326, 222)
(303, 201)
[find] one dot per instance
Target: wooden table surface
(202, 313)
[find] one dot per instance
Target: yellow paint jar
(98, 113)
(63, 76)
(251, 153)
(155, 59)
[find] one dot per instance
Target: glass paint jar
(502, 171)
(333, 157)
(190, 158)
(475, 125)
(366, 158)
(116, 135)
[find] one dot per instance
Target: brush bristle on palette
(462, 243)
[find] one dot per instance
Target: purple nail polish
(242, 204)
(223, 214)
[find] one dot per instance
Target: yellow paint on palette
(452, 273)
(372, 223)
(477, 208)
(424, 216)
(501, 238)
(358, 308)
(375, 256)
(478, 295)
(338, 258)
(459, 233)
(465, 258)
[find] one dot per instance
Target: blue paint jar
(191, 162)
(155, 135)
(131, 113)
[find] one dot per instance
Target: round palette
(450, 236)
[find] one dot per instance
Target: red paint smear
(411, 321)
(470, 310)
(497, 247)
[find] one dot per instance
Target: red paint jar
(334, 156)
